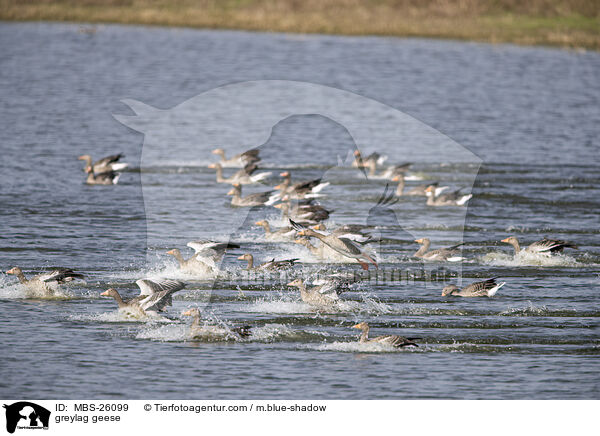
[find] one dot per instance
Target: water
(530, 114)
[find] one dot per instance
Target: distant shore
(567, 23)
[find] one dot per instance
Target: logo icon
(26, 415)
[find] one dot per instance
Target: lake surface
(526, 119)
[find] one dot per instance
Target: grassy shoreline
(567, 24)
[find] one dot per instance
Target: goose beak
(284, 174)
(505, 240)
(302, 233)
(231, 192)
(277, 187)
(187, 313)
(356, 326)
(242, 257)
(418, 241)
(105, 294)
(278, 206)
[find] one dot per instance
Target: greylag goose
(543, 246)
(245, 176)
(343, 246)
(192, 265)
(270, 265)
(441, 254)
(325, 294)
(388, 173)
(259, 199)
(239, 160)
(200, 331)
(393, 340)
(450, 199)
(416, 190)
(283, 234)
(375, 158)
(154, 296)
(308, 189)
(210, 252)
(486, 288)
(45, 284)
(322, 252)
(104, 165)
(304, 213)
(105, 178)
(347, 232)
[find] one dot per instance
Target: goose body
(304, 213)
(373, 158)
(198, 331)
(155, 296)
(325, 294)
(344, 232)
(283, 234)
(485, 288)
(393, 340)
(543, 246)
(344, 246)
(450, 199)
(270, 265)
(260, 199)
(300, 190)
(245, 176)
(104, 178)
(449, 254)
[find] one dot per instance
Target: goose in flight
(393, 340)
(155, 296)
(485, 288)
(104, 165)
(543, 246)
(239, 160)
(45, 284)
(441, 254)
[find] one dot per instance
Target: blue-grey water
(529, 116)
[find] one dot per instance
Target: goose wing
(105, 161)
(551, 245)
(395, 341)
(161, 299)
(151, 287)
(60, 275)
(481, 288)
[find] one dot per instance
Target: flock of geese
(305, 218)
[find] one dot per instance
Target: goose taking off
(245, 176)
(388, 173)
(441, 254)
(543, 246)
(308, 189)
(393, 340)
(239, 160)
(486, 288)
(450, 199)
(210, 252)
(416, 190)
(104, 165)
(325, 294)
(105, 178)
(213, 332)
(344, 246)
(270, 265)
(154, 296)
(45, 284)
(259, 199)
